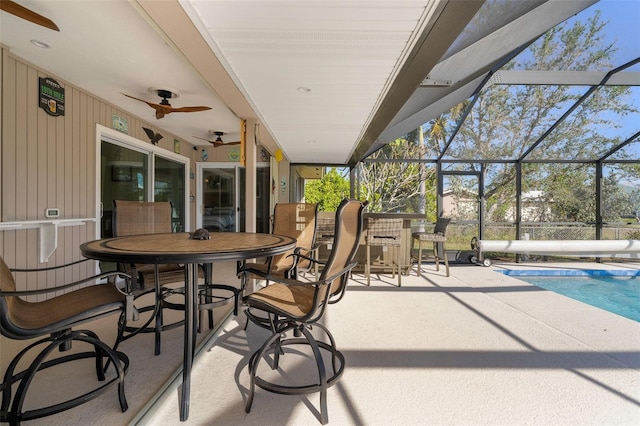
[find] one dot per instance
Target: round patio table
(161, 249)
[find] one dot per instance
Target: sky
(624, 27)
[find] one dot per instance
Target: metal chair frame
(302, 307)
(100, 301)
(296, 220)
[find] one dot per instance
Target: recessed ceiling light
(303, 89)
(40, 44)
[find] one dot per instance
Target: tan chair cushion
(31, 316)
(295, 301)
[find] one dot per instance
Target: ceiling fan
(164, 107)
(29, 15)
(218, 141)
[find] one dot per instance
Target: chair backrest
(348, 231)
(325, 228)
(441, 226)
(295, 220)
(8, 304)
(140, 217)
(384, 232)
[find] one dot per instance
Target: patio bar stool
(385, 233)
(439, 239)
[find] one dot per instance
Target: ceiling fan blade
(161, 110)
(206, 140)
(190, 109)
(164, 109)
(26, 14)
(214, 143)
(151, 104)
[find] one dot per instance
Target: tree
(392, 186)
(328, 191)
(618, 201)
(507, 120)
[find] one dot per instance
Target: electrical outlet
(52, 213)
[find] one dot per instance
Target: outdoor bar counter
(325, 221)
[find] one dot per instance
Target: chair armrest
(248, 270)
(48, 268)
(64, 286)
(310, 259)
(326, 281)
(130, 310)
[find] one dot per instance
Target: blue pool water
(614, 291)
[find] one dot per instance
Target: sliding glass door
(221, 200)
(169, 185)
(136, 171)
(220, 197)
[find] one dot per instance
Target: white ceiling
(363, 61)
(344, 52)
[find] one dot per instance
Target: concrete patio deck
(477, 348)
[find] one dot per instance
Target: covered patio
(476, 348)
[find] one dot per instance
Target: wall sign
(51, 96)
(234, 154)
(120, 124)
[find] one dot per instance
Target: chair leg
(393, 260)
(444, 256)
(324, 414)
(158, 331)
(367, 265)
(276, 342)
(14, 414)
(396, 251)
(419, 256)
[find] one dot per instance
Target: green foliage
(328, 191)
(618, 202)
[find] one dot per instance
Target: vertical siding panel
(54, 126)
(50, 162)
(40, 155)
(9, 145)
(73, 179)
(57, 157)
(80, 210)
(89, 144)
(88, 192)
(31, 163)
(79, 174)
(22, 137)
(67, 178)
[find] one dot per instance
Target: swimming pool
(615, 291)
